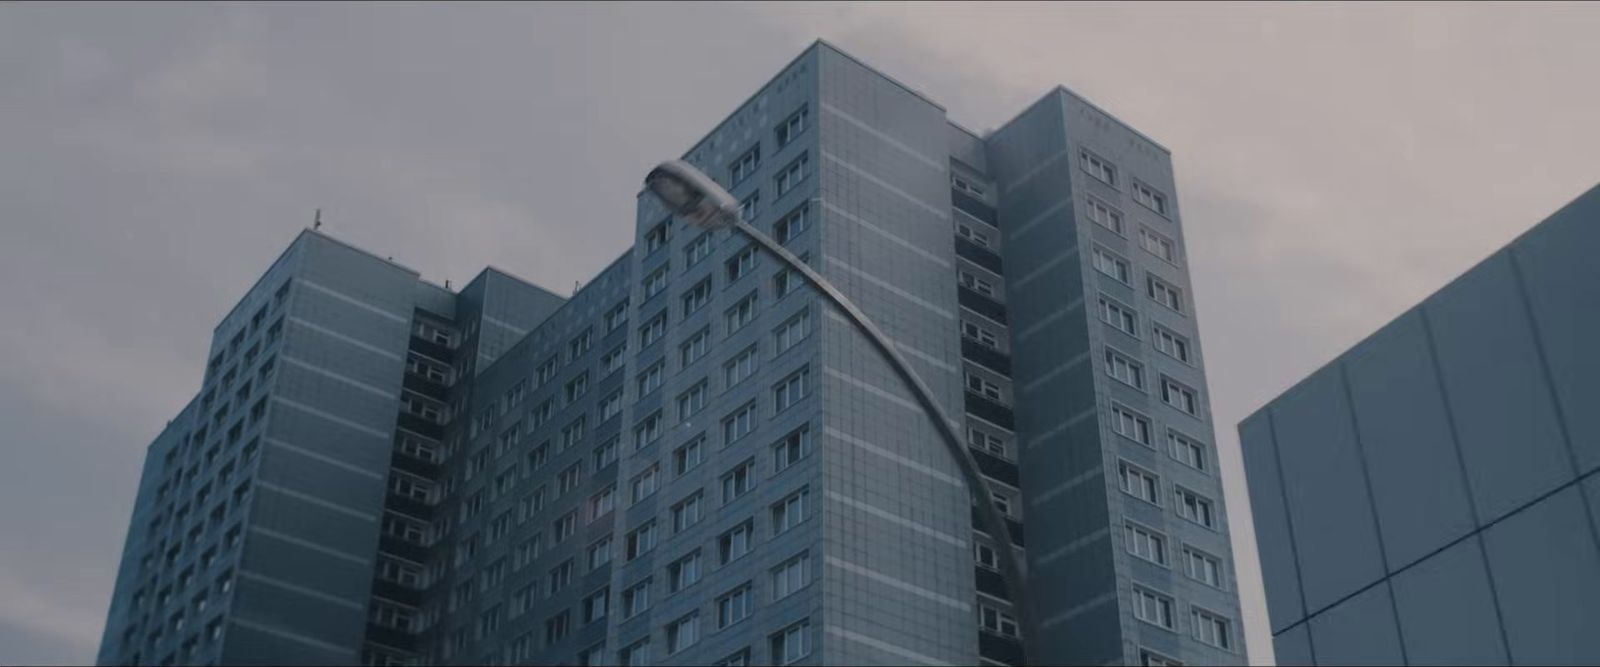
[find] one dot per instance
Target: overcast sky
(1335, 164)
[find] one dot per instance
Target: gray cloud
(1336, 164)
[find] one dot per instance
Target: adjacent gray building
(693, 459)
(1429, 496)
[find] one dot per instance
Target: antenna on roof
(576, 285)
(447, 284)
(316, 223)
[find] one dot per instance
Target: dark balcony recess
(981, 304)
(989, 411)
(426, 387)
(986, 356)
(999, 649)
(431, 430)
(1011, 524)
(390, 590)
(415, 553)
(390, 637)
(431, 349)
(979, 255)
(995, 467)
(975, 207)
(991, 582)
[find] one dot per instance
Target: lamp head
(691, 195)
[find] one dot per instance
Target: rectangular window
(1153, 608)
(791, 332)
(745, 166)
(683, 633)
(1196, 508)
(987, 442)
(650, 379)
(560, 576)
(736, 542)
(1119, 316)
(1172, 344)
(1164, 294)
(597, 605)
(1145, 543)
(1104, 215)
(599, 553)
(697, 297)
(973, 282)
(636, 654)
(695, 348)
(790, 511)
(688, 456)
(1140, 484)
(791, 389)
(647, 431)
(791, 449)
(986, 557)
(655, 282)
(686, 513)
(684, 572)
(792, 175)
(616, 317)
(1126, 370)
(1187, 450)
(1110, 264)
(636, 599)
(790, 226)
(1150, 198)
(575, 349)
(657, 237)
(996, 621)
(1130, 424)
(1211, 629)
(790, 576)
(577, 387)
(565, 526)
(698, 249)
(1098, 167)
(983, 387)
(791, 127)
(603, 502)
(611, 405)
(1203, 567)
(742, 263)
(1158, 245)
(740, 314)
(738, 368)
(1180, 397)
(605, 453)
(737, 482)
(792, 644)
(734, 606)
(644, 484)
(692, 401)
(739, 424)
(572, 434)
(640, 541)
(653, 330)
(966, 231)
(750, 206)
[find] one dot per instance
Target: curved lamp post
(693, 196)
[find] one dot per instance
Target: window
(697, 297)
(648, 431)
(1145, 543)
(686, 513)
(736, 542)
(739, 658)
(1140, 483)
(683, 633)
(988, 442)
(1002, 502)
(560, 576)
(983, 387)
(739, 368)
(791, 389)
(791, 127)
(986, 557)
(789, 226)
(599, 553)
(657, 237)
(976, 284)
(1148, 658)
(790, 511)
(603, 502)
(739, 424)
(577, 387)
(787, 281)
(790, 576)
(605, 453)
(791, 644)
(575, 349)
(734, 606)
(653, 330)
(1158, 245)
(741, 313)
(741, 263)
(557, 627)
(966, 231)
(1211, 628)
(565, 526)
(1126, 370)
(1180, 397)
(1119, 316)
(1099, 168)
(698, 249)
(541, 414)
(617, 316)
(695, 348)
(977, 333)
(650, 379)
(1112, 265)
(1172, 344)
(1150, 198)
(636, 599)
(1187, 450)
(692, 401)
(1203, 567)
(1105, 216)
(546, 371)
(1196, 508)
(688, 455)
(611, 405)
(1164, 294)
(640, 541)
(746, 165)
(635, 654)
(597, 605)
(644, 483)
(1130, 424)
(750, 206)
(736, 482)
(1153, 608)
(572, 433)
(683, 572)
(793, 174)
(792, 331)
(791, 449)
(996, 621)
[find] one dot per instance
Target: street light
(694, 197)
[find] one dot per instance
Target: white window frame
(1113, 266)
(1124, 369)
(1145, 543)
(1139, 483)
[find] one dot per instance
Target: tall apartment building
(694, 460)
(1429, 497)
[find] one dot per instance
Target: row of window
(1106, 172)
(1146, 486)
(1205, 626)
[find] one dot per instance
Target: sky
(1336, 164)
